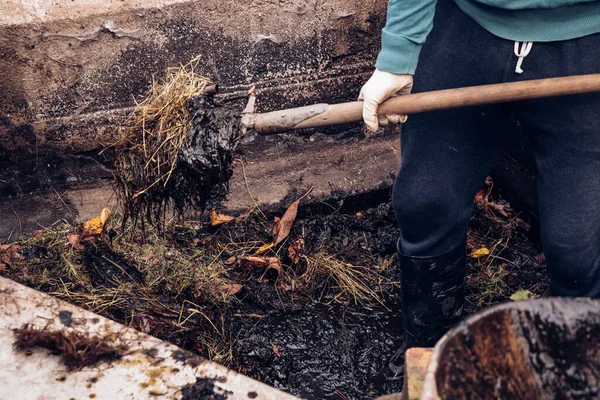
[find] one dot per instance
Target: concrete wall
(69, 68)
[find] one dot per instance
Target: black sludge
(205, 162)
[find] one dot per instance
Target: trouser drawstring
(522, 53)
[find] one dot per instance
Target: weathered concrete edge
(151, 367)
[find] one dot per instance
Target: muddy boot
(433, 295)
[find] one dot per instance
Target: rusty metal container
(541, 349)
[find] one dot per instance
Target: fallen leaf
(217, 219)
(296, 251)
(264, 248)
(254, 261)
(521, 295)
(147, 257)
(540, 259)
(282, 228)
(276, 352)
(231, 289)
(499, 208)
(480, 195)
(231, 260)
(480, 253)
(75, 242)
(273, 264)
(9, 253)
(522, 224)
(95, 226)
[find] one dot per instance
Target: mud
(196, 166)
(108, 269)
(205, 389)
(321, 351)
(206, 158)
(309, 341)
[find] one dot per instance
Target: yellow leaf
(264, 248)
(219, 219)
(521, 295)
(95, 225)
(480, 253)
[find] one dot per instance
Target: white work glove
(378, 89)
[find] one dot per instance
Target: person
(446, 155)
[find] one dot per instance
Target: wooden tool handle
(335, 114)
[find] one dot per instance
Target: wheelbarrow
(538, 349)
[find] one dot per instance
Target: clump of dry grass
(363, 284)
(150, 141)
(75, 349)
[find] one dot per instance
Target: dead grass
(364, 285)
(75, 349)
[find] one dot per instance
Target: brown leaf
(522, 224)
(276, 352)
(296, 251)
(499, 208)
(254, 261)
(231, 260)
(75, 242)
(217, 219)
(282, 228)
(9, 253)
(273, 264)
(540, 259)
(231, 289)
(481, 195)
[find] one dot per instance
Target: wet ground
(307, 337)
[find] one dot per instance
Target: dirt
(308, 338)
(208, 152)
(203, 388)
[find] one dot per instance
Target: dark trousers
(447, 155)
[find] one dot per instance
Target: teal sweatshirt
(410, 21)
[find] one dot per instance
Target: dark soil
(204, 389)
(307, 339)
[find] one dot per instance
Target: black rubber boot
(433, 296)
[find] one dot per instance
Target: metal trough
(541, 349)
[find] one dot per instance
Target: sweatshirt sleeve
(408, 24)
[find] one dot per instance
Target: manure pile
(175, 150)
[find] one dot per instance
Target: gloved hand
(378, 89)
